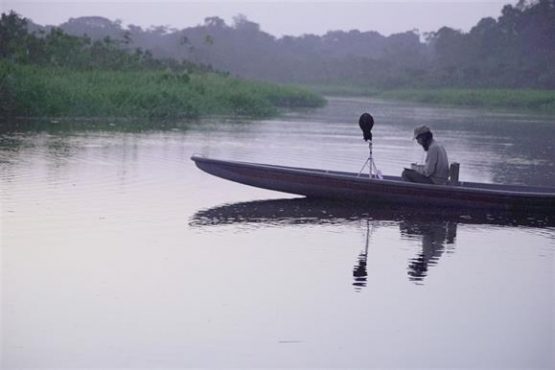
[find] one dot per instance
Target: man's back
(437, 164)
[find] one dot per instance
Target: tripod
(373, 170)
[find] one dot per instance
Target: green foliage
(537, 100)
(342, 89)
(35, 91)
(13, 33)
(516, 50)
(58, 75)
(57, 48)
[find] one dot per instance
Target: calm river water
(117, 252)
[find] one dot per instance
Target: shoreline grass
(341, 90)
(542, 101)
(32, 91)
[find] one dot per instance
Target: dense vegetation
(55, 74)
(57, 91)
(516, 50)
(503, 62)
(522, 99)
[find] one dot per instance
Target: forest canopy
(516, 50)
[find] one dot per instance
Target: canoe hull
(391, 190)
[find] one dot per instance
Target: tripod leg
(364, 165)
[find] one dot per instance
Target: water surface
(118, 252)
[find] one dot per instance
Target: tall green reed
(34, 91)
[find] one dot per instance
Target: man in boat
(436, 168)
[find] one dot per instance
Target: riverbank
(515, 99)
(33, 91)
(521, 99)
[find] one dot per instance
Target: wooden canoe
(315, 183)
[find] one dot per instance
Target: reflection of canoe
(391, 189)
(301, 211)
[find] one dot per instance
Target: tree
(241, 23)
(214, 22)
(13, 35)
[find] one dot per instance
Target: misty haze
(391, 198)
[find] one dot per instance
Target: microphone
(366, 122)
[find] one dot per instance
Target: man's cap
(420, 130)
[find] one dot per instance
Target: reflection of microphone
(366, 122)
(359, 272)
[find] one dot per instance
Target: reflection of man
(436, 169)
(434, 235)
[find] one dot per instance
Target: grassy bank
(31, 91)
(342, 90)
(520, 99)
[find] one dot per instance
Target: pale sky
(286, 17)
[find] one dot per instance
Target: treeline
(25, 43)
(516, 50)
